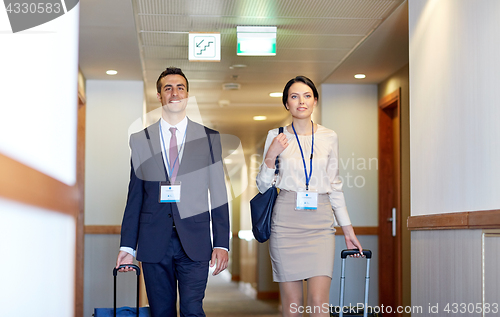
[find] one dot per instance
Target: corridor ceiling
(326, 40)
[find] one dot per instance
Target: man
(175, 163)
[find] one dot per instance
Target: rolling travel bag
(124, 311)
(354, 311)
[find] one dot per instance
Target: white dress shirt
(180, 134)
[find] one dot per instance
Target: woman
(302, 239)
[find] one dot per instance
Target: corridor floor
(224, 299)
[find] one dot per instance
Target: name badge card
(307, 200)
(170, 192)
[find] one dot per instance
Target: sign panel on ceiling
(204, 47)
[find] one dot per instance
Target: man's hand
(124, 258)
(221, 257)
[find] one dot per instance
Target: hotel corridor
(223, 298)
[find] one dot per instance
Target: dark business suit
(148, 225)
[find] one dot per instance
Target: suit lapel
(155, 145)
(192, 134)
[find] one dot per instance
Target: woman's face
(301, 101)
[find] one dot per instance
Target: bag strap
(276, 163)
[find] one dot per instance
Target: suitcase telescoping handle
(368, 255)
(345, 253)
(115, 272)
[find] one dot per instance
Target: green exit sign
(256, 40)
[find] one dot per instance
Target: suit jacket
(147, 223)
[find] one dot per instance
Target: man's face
(173, 94)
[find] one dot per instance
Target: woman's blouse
(325, 168)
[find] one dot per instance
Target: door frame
(389, 195)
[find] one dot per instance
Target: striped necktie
(173, 154)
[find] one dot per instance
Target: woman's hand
(278, 145)
(351, 241)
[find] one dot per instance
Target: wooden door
(390, 240)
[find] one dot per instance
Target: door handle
(393, 220)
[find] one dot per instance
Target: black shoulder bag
(261, 207)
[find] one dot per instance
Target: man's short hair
(171, 71)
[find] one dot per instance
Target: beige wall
(454, 133)
(112, 106)
(351, 111)
(454, 49)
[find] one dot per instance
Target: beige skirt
(302, 242)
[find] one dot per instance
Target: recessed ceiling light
(224, 103)
(260, 118)
(111, 72)
(276, 94)
(231, 86)
(360, 76)
(237, 66)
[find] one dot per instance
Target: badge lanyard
(308, 178)
(171, 170)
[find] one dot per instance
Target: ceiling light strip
(217, 16)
